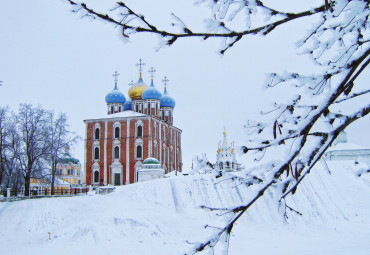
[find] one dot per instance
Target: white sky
(51, 57)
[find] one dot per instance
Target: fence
(46, 191)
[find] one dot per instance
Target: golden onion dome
(136, 90)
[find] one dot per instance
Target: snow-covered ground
(164, 217)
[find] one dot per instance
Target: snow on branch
(131, 22)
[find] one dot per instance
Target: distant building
(342, 150)
(69, 170)
(226, 160)
(135, 129)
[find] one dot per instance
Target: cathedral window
(171, 137)
(96, 153)
(116, 152)
(155, 151)
(119, 109)
(139, 131)
(162, 115)
(221, 166)
(164, 135)
(164, 154)
(227, 164)
(111, 109)
(97, 133)
(96, 176)
(116, 132)
(155, 131)
(139, 151)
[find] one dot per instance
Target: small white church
(226, 160)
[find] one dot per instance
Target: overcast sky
(53, 58)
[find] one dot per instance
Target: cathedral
(135, 128)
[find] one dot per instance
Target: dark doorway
(117, 178)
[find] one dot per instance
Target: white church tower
(226, 160)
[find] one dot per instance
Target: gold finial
(219, 150)
(224, 131)
(140, 64)
(152, 71)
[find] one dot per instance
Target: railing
(45, 191)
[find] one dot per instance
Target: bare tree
(305, 126)
(3, 135)
(59, 137)
(32, 131)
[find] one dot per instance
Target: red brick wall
(123, 136)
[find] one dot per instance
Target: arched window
(97, 133)
(111, 109)
(155, 132)
(171, 138)
(221, 166)
(119, 109)
(227, 164)
(164, 135)
(116, 152)
(164, 155)
(96, 176)
(139, 151)
(96, 153)
(139, 131)
(155, 151)
(116, 132)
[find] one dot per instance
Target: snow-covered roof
(346, 146)
(118, 115)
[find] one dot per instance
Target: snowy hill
(164, 216)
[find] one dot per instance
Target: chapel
(226, 158)
(134, 129)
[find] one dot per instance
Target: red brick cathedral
(135, 128)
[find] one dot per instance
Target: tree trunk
(53, 169)
(27, 183)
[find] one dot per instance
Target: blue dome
(151, 93)
(128, 105)
(167, 101)
(115, 96)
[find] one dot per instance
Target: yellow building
(69, 170)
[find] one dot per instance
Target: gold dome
(136, 90)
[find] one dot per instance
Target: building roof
(118, 115)
(151, 161)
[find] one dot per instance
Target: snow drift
(164, 217)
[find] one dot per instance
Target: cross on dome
(152, 71)
(131, 83)
(115, 75)
(140, 65)
(165, 80)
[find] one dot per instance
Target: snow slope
(163, 217)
